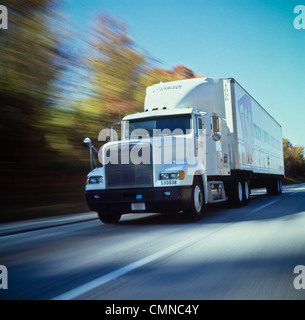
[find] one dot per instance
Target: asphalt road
(246, 253)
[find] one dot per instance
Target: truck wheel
(246, 193)
(109, 218)
(237, 194)
(195, 211)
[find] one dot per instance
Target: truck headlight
(172, 175)
(95, 180)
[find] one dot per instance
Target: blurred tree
(293, 159)
(116, 67)
(30, 63)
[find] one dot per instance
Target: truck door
(221, 146)
(199, 136)
(225, 159)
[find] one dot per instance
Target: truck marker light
(181, 175)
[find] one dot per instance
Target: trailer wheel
(246, 193)
(195, 211)
(274, 187)
(109, 218)
(279, 186)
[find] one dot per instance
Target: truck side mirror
(216, 129)
(87, 143)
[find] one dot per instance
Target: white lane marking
(264, 206)
(292, 194)
(76, 292)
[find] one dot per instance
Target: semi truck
(198, 141)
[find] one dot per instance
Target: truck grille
(124, 176)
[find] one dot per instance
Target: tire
(274, 187)
(237, 197)
(246, 192)
(109, 218)
(196, 208)
(279, 186)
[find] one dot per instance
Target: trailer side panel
(257, 137)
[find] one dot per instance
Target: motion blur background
(58, 86)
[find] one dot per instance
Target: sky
(252, 41)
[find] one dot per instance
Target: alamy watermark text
(299, 20)
(299, 280)
(3, 17)
(3, 277)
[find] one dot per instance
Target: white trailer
(198, 141)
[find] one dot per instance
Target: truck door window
(200, 124)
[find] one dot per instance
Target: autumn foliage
(294, 160)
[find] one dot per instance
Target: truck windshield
(162, 126)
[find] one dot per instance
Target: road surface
(246, 253)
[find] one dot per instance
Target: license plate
(138, 206)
